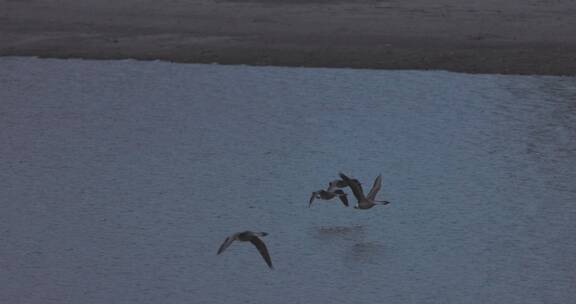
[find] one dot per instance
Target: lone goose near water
(364, 202)
(252, 237)
(331, 193)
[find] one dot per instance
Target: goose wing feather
(227, 242)
(355, 186)
(375, 188)
(312, 197)
(263, 250)
(342, 196)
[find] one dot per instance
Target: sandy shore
(515, 37)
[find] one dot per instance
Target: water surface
(120, 179)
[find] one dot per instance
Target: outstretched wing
(312, 197)
(340, 183)
(226, 244)
(342, 196)
(375, 188)
(263, 250)
(354, 185)
(335, 184)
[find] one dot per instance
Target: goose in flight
(364, 202)
(331, 193)
(252, 237)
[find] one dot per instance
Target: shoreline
(448, 35)
(505, 62)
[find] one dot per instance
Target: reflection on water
(339, 230)
(332, 234)
(363, 253)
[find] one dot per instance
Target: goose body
(331, 192)
(364, 201)
(252, 237)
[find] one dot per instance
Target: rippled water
(120, 180)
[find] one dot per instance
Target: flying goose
(252, 237)
(331, 193)
(364, 202)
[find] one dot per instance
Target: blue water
(120, 180)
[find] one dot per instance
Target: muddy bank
(519, 37)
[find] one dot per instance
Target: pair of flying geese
(333, 190)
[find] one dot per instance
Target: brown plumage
(364, 202)
(331, 192)
(252, 237)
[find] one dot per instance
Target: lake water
(120, 180)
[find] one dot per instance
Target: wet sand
(516, 37)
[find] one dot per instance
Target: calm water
(120, 179)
